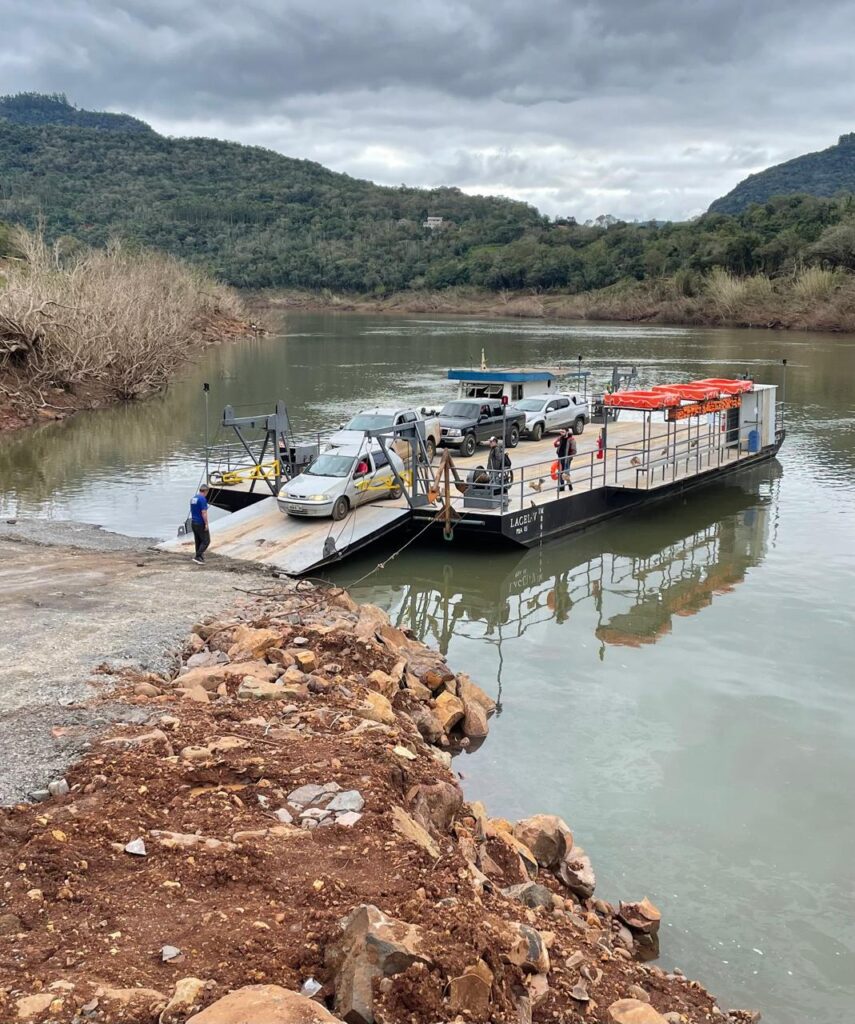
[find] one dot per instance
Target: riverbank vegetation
(93, 326)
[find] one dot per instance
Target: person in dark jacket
(499, 464)
(565, 449)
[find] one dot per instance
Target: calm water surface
(680, 685)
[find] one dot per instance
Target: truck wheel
(469, 445)
(430, 448)
(537, 432)
(340, 508)
(578, 425)
(513, 437)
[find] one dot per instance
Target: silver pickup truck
(379, 417)
(552, 412)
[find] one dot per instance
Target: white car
(339, 479)
(381, 417)
(552, 412)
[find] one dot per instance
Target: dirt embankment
(287, 817)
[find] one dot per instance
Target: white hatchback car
(339, 479)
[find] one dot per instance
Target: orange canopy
(641, 400)
(728, 387)
(696, 391)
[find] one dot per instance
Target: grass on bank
(814, 298)
(115, 320)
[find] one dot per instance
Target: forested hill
(34, 108)
(254, 217)
(830, 172)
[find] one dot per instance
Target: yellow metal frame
(265, 471)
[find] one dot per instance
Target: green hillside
(34, 108)
(252, 216)
(830, 172)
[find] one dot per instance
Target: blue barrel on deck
(753, 442)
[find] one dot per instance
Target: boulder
(306, 660)
(633, 1011)
(417, 689)
(30, 1007)
(278, 656)
(576, 872)
(194, 693)
(251, 644)
(346, 801)
(547, 836)
(641, 917)
(449, 710)
(145, 689)
(211, 676)
(410, 829)
(508, 839)
(383, 683)
(470, 992)
(427, 723)
(371, 945)
(371, 619)
(258, 689)
(205, 659)
(471, 693)
(188, 996)
(434, 676)
(294, 676)
(435, 805)
(263, 1004)
(528, 950)
(530, 894)
(474, 721)
(377, 708)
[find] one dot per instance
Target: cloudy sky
(638, 108)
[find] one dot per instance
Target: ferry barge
(669, 439)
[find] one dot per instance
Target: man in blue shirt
(199, 517)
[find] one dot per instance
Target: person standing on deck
(199, 518)
(498, 463)
(565, 449)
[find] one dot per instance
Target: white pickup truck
(552, 412)
(379, 417)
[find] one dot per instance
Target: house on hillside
(433, 223)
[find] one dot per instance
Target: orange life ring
(555, 470)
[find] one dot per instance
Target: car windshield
(466, 410)
(529, 405)
(331, 465)
(370, 421)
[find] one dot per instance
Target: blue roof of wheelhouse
(500, 376)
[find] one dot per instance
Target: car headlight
(317, 497)
(453, 432)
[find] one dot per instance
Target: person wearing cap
(199, 521)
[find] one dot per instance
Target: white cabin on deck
(496, 384)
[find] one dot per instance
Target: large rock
(30, 1007)
(371, 619)
(471, 693)
(642, 917)
(449, 710)
(634, 1011)
(496, 830)
(210, 677)
(377, 708)
(427, 723)
(371, 946)
(528, 950)
(263, 1004)
(250, 644)
(410, 829)
(576, 872)
(383, 683)
(470, 992)
(257, 689)
(188, 996)
(435, 806)
(530, 894)
(154, 739)
(547, 836)
(474, 721)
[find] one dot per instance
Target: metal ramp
(261, 533)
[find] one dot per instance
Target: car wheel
(395, 492)
(469, 445)
(578, 425)
(430, 448)
(340, 508)
(537, 432)
(513, 437)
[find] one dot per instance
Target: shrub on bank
(113, 318)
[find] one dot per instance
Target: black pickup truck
(467, 422)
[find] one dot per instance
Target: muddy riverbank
(275, 804)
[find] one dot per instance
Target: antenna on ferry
(483, 360)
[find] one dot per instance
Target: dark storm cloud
(638, 108)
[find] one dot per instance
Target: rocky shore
(281, 838)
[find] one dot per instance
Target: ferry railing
(687, 449)
(586, 471)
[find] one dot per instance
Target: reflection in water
(671, 561)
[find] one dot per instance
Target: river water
(679, 685)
